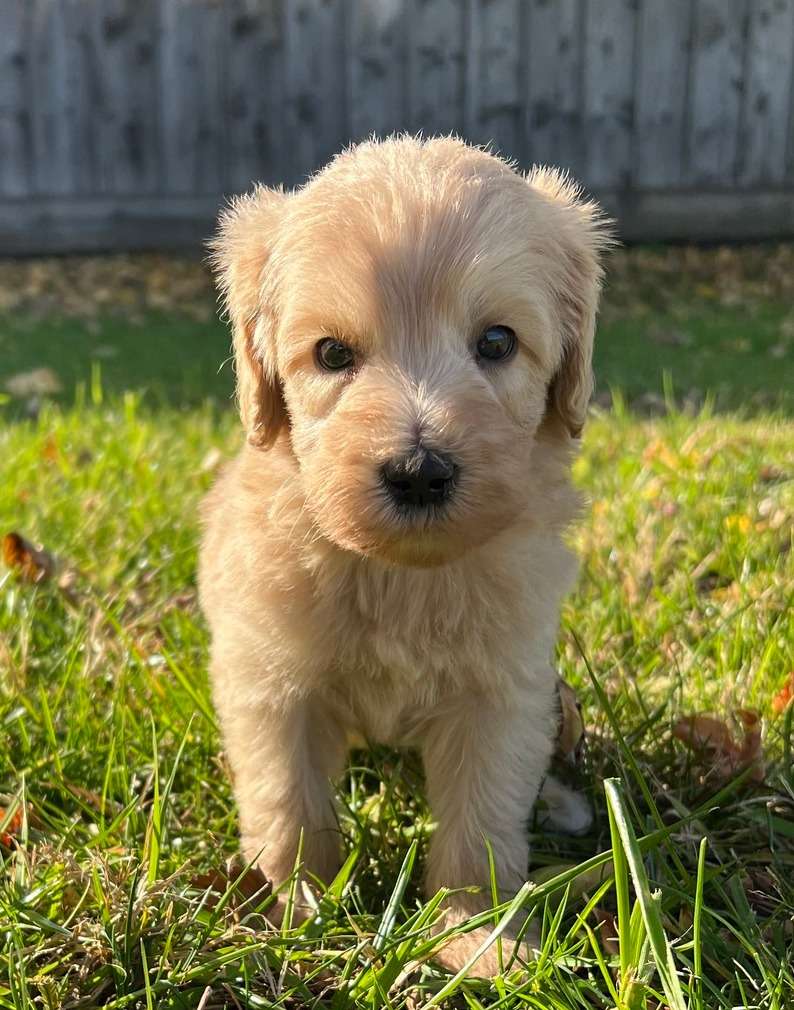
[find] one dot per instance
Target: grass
(119, 816)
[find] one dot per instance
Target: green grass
(109, 746)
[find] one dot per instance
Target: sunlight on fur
(415, 610)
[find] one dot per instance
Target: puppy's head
(415, 319)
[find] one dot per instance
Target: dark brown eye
(496, 344)
(333, 355)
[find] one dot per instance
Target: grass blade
(649, 903)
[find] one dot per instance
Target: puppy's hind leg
(563, 809)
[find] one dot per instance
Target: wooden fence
(124, 122)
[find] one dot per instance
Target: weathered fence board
(126, 39)
(494, 40)
(126, 122)
(15, 140)
(436, 79)
(610, 29)
(717, 81)
(377, 68)
(762, 141)
(316, 96)
(664, 39)
(253, 46)
(555, 85)
(60, 101)
(193, 112)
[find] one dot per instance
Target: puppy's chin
(424, 550)
(422, 542)
(417, 551)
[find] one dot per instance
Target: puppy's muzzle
(421, 479)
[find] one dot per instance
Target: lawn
(118, 812)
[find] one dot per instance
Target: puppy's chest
(411, 639)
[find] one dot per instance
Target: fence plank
(495, 56)
(762, 142)
(192, 137)
(554, 82)
(255, 135)
(661, 90)
(717, 79)
(15, 139)
(610, 29)
(64, 94)
(377, 68)
(436, 74)
(127, 121)
(316, 112)
(83, 91)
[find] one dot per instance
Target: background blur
(123, 123)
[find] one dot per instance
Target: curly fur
(333, 613)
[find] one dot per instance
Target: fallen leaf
(785, 695)
(251, 886)
(607, 931)
(50, 452)
(701, 732)
(12, 827)
(570, 735)
(722, 752)
(32, 564)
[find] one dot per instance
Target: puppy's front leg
(282, 760)
(484, 761)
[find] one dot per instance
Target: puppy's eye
(496, 344)
(333, 355)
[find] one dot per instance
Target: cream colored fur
(331, 613)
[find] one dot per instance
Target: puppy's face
(413, 315)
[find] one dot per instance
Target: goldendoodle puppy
(413, 332)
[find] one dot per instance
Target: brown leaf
(702, 732)
(607, 930)
(570, 734)
(32, 564)
(251, 885)
(721, 752)
(770, 474)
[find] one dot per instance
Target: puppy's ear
(582, 234)
(240, 253)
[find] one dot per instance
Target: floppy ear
(583, 235)
(240, 253)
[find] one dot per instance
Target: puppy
(413, 332)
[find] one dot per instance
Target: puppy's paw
(563, 808)
(460, 949)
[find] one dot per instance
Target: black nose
(423, 478)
